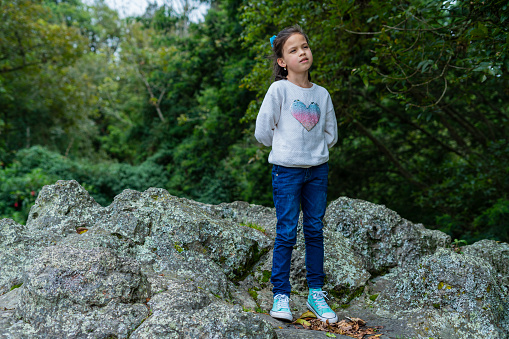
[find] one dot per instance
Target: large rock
(446, 295)
(495, 253)
(174, 238)
(152, 265)
(185, 311)
(380, 236)
(14, 254)
(60, 209)
(176, 224)
(94, 264)
(76, 293)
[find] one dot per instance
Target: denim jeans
(293, 188)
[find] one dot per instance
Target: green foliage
(19, 191)
(253, 294)
(266, 275)
(493, 222)
(419, 88)
(35, 167)
(456, 245)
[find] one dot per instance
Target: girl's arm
(331, 127)
(268, 117)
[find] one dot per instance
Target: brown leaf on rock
(308, 314)
(81, 230)
(302, 322)
(353, 327)
(358, 321)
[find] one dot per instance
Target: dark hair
(279, 72)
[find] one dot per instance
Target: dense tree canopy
(420, 89)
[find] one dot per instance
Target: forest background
(420, 90)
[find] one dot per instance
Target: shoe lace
(319, 299)
(282, 300)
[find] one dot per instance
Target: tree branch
(417, 127)
(389, 155)
(152, 96)
(474, 131)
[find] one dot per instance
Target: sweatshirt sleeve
(268, 117)
(331, 125)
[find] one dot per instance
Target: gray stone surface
(152, 265)
(391, 328)
(9, 300)
(243, 212)
(59, 210)
(495, 253)
(78, 293)
(381, 237)
(186, 311)
(174, 224)
(14, 253)
(446, 295)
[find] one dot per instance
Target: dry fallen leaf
(302, 322)
(358, 321)
(353, 327)
(308, 314)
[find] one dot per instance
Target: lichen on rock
(381, 237)
(70, 292)
(152, 265)
(447, 295)
(185, 311)
(14, 254)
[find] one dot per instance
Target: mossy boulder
(152, 265)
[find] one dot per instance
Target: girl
(297, 119)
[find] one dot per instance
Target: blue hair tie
(272, 41)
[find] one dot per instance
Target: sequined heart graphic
(307, 116)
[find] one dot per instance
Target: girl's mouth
(304, 60)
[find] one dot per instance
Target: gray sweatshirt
(299, 123)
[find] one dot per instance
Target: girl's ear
(281, 62)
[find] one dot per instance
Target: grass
(254, 226)
(15, 286)
(253, 294)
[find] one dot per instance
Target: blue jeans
(293, 188)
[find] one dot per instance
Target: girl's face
(297, 56)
